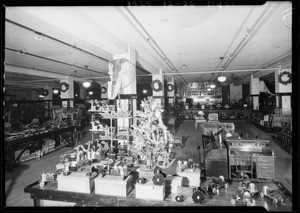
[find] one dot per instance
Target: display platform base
(149, 191)
(190, 178)
(75, 182)
(113, 185)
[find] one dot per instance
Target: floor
(28, 172)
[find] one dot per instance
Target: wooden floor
(28, 172)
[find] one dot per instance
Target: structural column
(104, 91)
(283, 89)
(67, 92)
(158, 88)
(254, 92)
(48, 97)
(128, 96)
(171, 92)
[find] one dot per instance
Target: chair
(244, 165)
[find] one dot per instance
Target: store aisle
(28, 172)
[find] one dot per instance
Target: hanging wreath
(64, 87)
(156, 85)
(170, 87)
(45, 92)
(282, 80)
(103, 90)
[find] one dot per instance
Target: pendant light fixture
(87, 83)
(212, 85)
(221, 78)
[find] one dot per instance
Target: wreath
(45, 92)
(64, 87)
(156, 85)
(170, 87)
(103, 90)
(282, 81)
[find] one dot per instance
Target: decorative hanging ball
(170, 87)
(45, 92)
(103, 90)
(156, 85)
(158, 179)
(285, 77)
(64, 87)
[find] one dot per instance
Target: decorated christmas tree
(151, 139)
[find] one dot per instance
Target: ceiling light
(144, 91)
(91, 93)
(86, 84)
(212, 86)
(41, 96)
(38, 36)
(55, 91)
(208, 89)
(221, 78)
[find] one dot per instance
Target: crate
(113, 185)
(190, 178)
(172, 182)
(149, 191)
(75, 182)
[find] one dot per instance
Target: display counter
(229, 114)
(42, 196)
(32, 139)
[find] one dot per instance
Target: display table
(24, 142)
(50, 193)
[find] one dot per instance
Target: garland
(103, 90)
(288, 74)
(170, 87)
(64, 87)
(45, 92)
(156, 82)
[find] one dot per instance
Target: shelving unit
(106, 112)
(284, 134)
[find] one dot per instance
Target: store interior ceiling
(45, 44)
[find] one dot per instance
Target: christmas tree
(151, 138)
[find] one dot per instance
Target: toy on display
(271, 194)
(198, 194)
(214, 184)
(48, 177)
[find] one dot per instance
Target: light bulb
(86, 84)
(221, 78)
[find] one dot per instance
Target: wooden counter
(50, 193)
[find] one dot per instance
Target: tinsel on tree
(151, 138)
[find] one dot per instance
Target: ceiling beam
(255, 75)
(35, 72)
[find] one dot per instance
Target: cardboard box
(190, 178)
(149, 191)
(172, 182)
(75, 182)
(113, 185)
